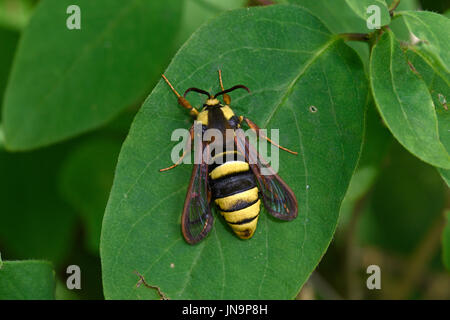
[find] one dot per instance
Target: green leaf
(398, 26)
(86, 179)
(27, 280)
(298, 64)
(35, 221)
(438, 83)
(65, 82)
(2, 139)
(405, 103)
(431, 29)
(360, 7)
(446, 242)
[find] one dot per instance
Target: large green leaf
(65, 82)
(297, 64)
(431, 29)
(405, 103)
(27, 280)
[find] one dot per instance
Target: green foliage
(8, 39)
(405, 103)
(86, 178)
(15, 14)
(430, 29)
(360, 7)
(61, 95)
(27, 280)
(400, 205)
(445, 175)
(35, 221)
(141, 229)
(57, 84)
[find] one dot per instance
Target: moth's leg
(182, 101)
(226, 97)
(187, 149)
(255, 128)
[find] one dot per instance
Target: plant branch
(260, 3)
(393, 6)
(364, 37)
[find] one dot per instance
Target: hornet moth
(235, 186)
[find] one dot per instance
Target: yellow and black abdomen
(234, 190)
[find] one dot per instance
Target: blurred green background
(52, 199)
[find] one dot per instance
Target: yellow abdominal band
(229, 202)
(228, 168)
(243, 221)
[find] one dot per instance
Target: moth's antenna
(239, 86)
(197, 90)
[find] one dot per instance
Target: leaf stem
(364, 37)
(260, 3)
(393, 6)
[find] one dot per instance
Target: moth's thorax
(212, 102)
(203, 115)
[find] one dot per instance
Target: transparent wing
(197, 220)
(278, 198)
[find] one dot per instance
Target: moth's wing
(279, 200)
(197, 220)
